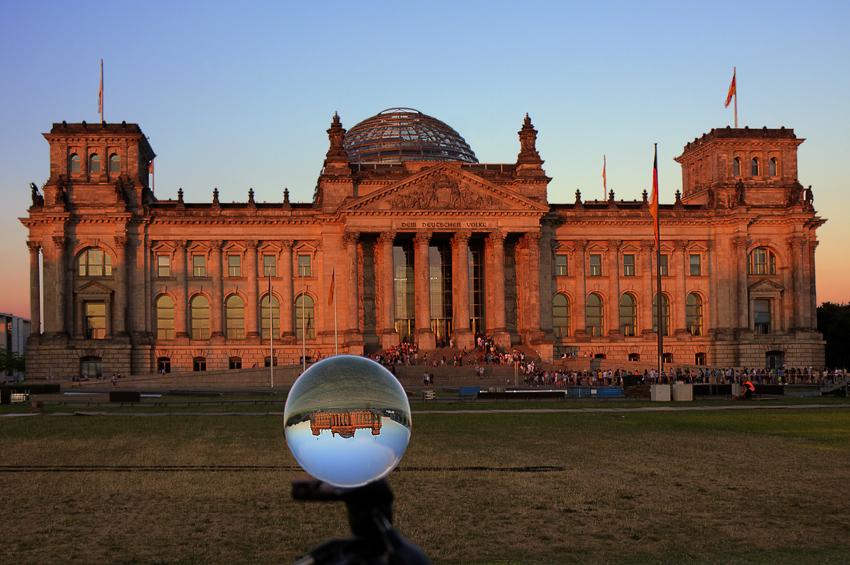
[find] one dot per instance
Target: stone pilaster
(352, 320)
(647, 279)
(677, 301)
(181, 306)
(35, 289)
(217, 306)
(251, 318)
(286, 293)
(531, 294)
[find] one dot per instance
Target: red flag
(653, 203)
(331, 297)
(732, 91)
(100, 93)
(150, 167)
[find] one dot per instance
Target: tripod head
(373, 540)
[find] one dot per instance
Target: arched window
(94, 164)
(754, 165)
(594, 315)
(762, 262)
(628, 315)
(94, 262)
(165, 317)
(771, 166)
(235, 313)
(693, 314)
(273, 322)
(561, 315)
(74, 162)
(665, 314)
(114, 164)
(200, 313)
(304, 325)
(736, 167)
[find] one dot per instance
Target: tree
(834, 324)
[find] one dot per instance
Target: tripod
(374, 541)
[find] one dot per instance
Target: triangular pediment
(93, 289)
(765, 287)
(444, 188)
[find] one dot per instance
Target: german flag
(732, 91)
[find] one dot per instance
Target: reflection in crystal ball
(347, 421)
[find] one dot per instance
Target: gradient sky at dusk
(240, 95)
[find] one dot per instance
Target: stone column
(60, 288)
(384, 290)
(496, 302)
(795, 252)
(677, 302)
(810, 320)
(352, 320)
(181, 306)
(648, 287)
(137, 274)
(531, 296)
(739, 245)
(35, 289)
(711, 302)
(122, 291)
(251, 328)
(613, 311)
(422, 274)
(578, 310)
(286, 294)
(217, 302)
(460, 271)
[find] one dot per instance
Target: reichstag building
(409, 238)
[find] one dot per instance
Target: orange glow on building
(345, 422)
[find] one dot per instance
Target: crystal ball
(347, 421)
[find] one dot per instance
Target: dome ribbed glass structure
(404, 134)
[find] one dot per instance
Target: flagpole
(271, 332)
(100, 94)
(658, 301)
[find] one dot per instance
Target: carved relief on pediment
(443, 193)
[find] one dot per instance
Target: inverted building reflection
(345, 422)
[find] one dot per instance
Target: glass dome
(404, 134)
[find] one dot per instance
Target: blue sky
(240, 96)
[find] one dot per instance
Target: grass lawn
(742, 486)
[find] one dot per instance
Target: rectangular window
(95, 320)
(304, 266)
(761, 314)
(234, 266)
(596, 265)
(628, 265)
(163, 265)
(663, 266)
(695, 265)
(269, 265)
(199, 266)
(560, 265)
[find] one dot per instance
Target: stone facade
(418, 250)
